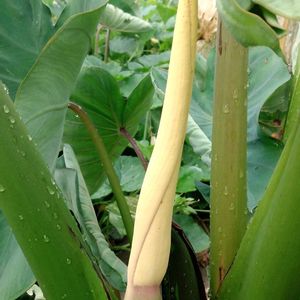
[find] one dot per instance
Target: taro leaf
(115, 217)
(25, 27)
(183, 278)
(166, 11)
(72, 184)
(200, 143)
(56, 7)
(188, 175)
(78, 6)
(288, 8)
(116, 19)
(98, 93)
(267, 72)
(238, 21)
(123, 45)
(43, 95)
(130, 172)
(15, 274)
(129, 6)
(262, 158)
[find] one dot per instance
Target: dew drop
(68, 260)
(6, 109)
(21, 218)
(12, 120)
(46, 238)
(52, 181)
(231, 207)
(29, 137)
(58, 227)
(50, 190)
(47, 204)
(64, 296)
(225, 190)
(235, 94)
(2, 188)
(23, 154)
(55, 216)
(6, 89)
(226, 109)
(266, 60)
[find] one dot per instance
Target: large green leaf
(15, 274)
(98, 93)
(238, 21)
(74, 7)
(288, 8)
(25, 27)
(42, 224)
(43, 95)
(262, 158)
(116, 19)
(72, 183)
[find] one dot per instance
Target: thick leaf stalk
(261, 269)
(41, 222)
(108, 168)
(229, 142)
(152, 232)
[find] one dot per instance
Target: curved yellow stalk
(152, 232)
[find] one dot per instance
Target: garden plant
(127, 157)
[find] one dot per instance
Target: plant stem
(96, 47)
(229, 146)
(106, 51)
(108, 168)
(135, 147)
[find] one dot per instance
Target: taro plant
(66, 117)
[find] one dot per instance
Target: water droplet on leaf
(21, 218)
(226, 109)
(2, 188)
(47, 204)
(46, 238)
(5, 109)
(12, 120)
(225, 190)
(68, 260)
(50, 190)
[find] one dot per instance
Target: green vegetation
(82, 93)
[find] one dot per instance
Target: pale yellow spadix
(152, 230)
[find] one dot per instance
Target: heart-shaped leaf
(99, 95)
